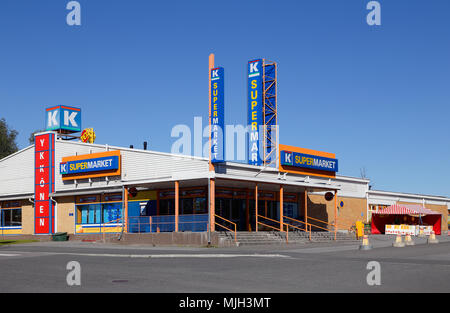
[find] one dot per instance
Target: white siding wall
(349, 187)
(389, 199)
(136, 165)
(17, 173)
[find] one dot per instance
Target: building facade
(82, 188)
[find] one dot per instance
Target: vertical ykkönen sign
(44, 173)
(217, 115)
(255, 110)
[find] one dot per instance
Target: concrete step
(255, 238)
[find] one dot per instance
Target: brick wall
(351, 212)
(66, 221)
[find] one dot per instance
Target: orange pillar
(281, 207)
(247, 210)
(157, 202)
(212, 203)
(256, 207)
(305, 203)
(177, 203)
(335, 214)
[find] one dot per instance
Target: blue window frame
(99, 213)
(11, 217)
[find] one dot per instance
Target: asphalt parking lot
(319, 267)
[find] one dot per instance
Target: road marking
(6, 254)
(325, 249)
(156, 256)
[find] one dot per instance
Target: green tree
(8, 136)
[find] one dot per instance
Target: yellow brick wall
(27, 218)
(66, 206)
(351, 212)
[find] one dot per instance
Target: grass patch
(14, 242)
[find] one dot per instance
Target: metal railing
(270, 226)
(166, 223)
(268, 219)
(321, 221)
(323, 228)
(232, 223)
(306, 229)
(103, 226)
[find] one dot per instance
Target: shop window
(112, 212)
(11, 217)
(99, 213)
(290, 209)
(187, 206)
(167, 207)
(200, 206)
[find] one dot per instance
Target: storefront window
(99, 213)
(167, 207)
(290, 209)
(200, 206)
(187, 206)
(11, 217)
(112, 212)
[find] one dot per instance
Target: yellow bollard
(409, 241)
(365, 243)
(432, 238)
(421, 234)
(398, 243)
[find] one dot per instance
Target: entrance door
(232, 210)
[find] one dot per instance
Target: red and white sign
(44, 183)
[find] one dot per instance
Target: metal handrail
(321, 221)
(276, 228)
(293, 219)
(152, 221)
(102, 225)
(306, 226)
(268, 218)
(235, 226)
(326, 229)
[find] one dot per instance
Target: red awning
(410, 209)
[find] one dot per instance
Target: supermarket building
(154, 192)
(60, 184)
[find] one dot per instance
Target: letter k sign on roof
(63, 118)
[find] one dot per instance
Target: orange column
(177, 203)
(247, 210)
(305, 203)
(281, 207)
(335, 214)
(212, 203)
(157, 202)
(256, 207)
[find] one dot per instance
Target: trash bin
(359, 229)
(59, 237)
(367, 228)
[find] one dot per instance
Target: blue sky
(376, 96)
